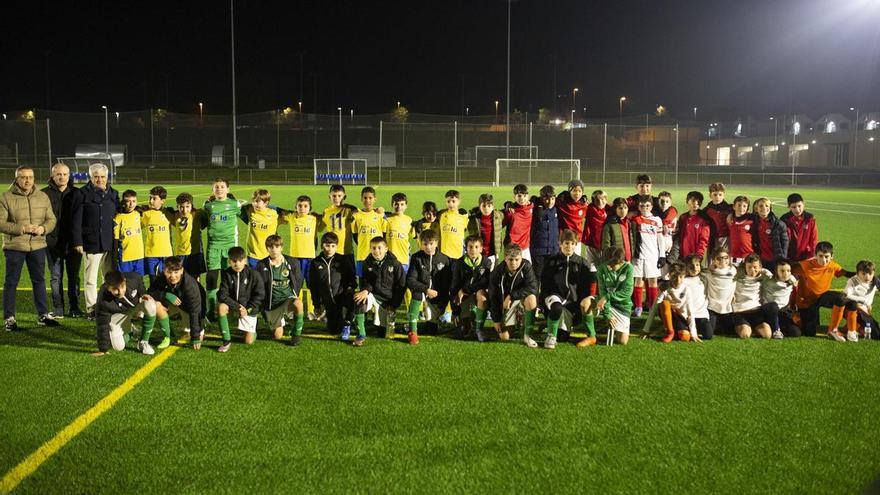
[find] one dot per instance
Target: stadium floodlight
(523, 170)
(340, 171)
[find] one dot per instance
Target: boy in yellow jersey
(188, 234)
(262, 222)
(453, 227)
(337, 219)
(365, 225)
(127, 231)
(157, 243)
(304, 226)
(399, 231)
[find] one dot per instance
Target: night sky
(731, 59)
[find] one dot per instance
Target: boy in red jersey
(518, 220)
(742, 225)
(571, 206)
(694, 230)
(802, 231)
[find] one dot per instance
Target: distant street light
(574, 93)
(774, 130)
(620, 114)
(117, 119)
(695, 113)
(496, 110)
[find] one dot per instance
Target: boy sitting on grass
(332, 283)
(469, 289)
(283, 281)
(814, 291)
(122, 298)
(565, 290)
(382, 287)
(513, 289)
(241, 294)
(859, 292)
(175, 292)
(428, 278)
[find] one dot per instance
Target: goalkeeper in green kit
(220, 214)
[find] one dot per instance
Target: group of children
(713, 269)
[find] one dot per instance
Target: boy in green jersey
(220, 215)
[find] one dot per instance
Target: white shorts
(431, 311)
(645, 268)
(593, 257)
(619, 321)
(381, 317)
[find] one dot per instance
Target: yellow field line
(27, 467)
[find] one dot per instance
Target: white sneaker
(777, 334)
(835, 335)
(529, 342)
(146, 348)
(852, 336)
(550, 342)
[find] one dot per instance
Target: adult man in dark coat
(60, 253)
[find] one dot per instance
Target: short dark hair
(741, 199)
(173, 263)
(159, 191)
(337, 187)
(520, 189)
(643, 179)
(619, 202)
(329, 238)
(824, 247)
(752, 258)
(114, 278)
(695, 195)
(677, 269)
(613, 255)
(220, 179)
(487, 198)
(428, 235)
(783, 262)
(378, 240)
(236, 253)
(795, 198)
(473, 238)
(665, 194)
(452, 193)
(512, 249)
(429, 206)
(865, 266)
(184, 198)
(568, 235)
(273, 240)
(547, 191)
(716, 187)
(398, 197)
(129, 193)
(368, 189)
(304, 198)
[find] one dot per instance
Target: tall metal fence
(280, 146)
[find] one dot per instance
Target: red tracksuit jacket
(596, 218)
(802, 235)
(571, 213)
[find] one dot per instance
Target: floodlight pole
(507, 103)
(604, 153)
(676, 155)
(856, 141)
(49, 141)
(455, 152)
(234, 125)
(340, 131)
(380, 151)
(106, 131)
(571, 137)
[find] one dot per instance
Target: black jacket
(331, 279)
(188, 291)
(62, 205)
(468, 279)
(294, 277)
(778, 236)
(92, 214)
(517, 285)
(384, 279)
(429, 272)
(245, 288)
(568, 277)
(108, 304)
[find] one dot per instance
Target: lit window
(871, 125)
(796, 128)
(830, 127)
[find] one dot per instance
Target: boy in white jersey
(859, 293)
(720, 285)
(651, 254)
(749, 314)
(779, 289)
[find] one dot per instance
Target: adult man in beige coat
(25, 218)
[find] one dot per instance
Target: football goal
(340, 171)
(544, 170)
(485, 155)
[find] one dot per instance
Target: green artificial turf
(790, 416)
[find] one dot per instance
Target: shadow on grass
(67, 339)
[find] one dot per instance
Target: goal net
(485, 155)
(546, 171)
(340, 171)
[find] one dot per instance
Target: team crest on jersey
(440, 266)
(747, 228)
(133, 292)
(580, 213)
(320, 267)
(390, 269)
(767, 231)
(482, 271)
(183, 222)
(285, 273)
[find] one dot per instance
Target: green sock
(359, 321)
(298, 325)
(590, 323)
(479, 318)
(147, 326)
(165, 325)
(528, 322)
(552, 327)
(212, 301)
(223, 320)
(414, 307)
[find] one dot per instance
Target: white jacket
(719, 288)
(860, 292)
(775, 290)
(747, 295)
(697, 293)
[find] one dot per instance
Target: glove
(661, 262)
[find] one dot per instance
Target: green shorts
(218, 256)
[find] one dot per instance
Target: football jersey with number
(127, 230)
(187, 232)
(367, 225)
(157, 230)
(337, 219)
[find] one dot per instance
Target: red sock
(637, 297)
(653, 292)
(594, 288)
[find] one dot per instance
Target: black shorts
(752, 318)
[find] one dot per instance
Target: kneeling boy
(122, 297)
(332, 283)
(283, 281)
(428, 278)
(565, 289)
(382, 287)
(175, 292)
(241, 294)
(513, 288)
(469, 288)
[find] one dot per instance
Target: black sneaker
(46, 320)
(11, 325)
(295, 340)
(75, 313)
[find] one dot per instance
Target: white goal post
(496, 151)
(524, 170)
(340, 171)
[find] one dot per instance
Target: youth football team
(583, 263)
